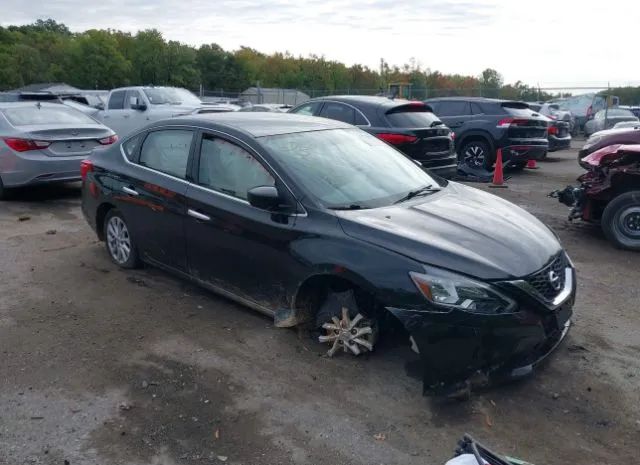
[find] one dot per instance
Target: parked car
(268, 107)
(627, 124)
(606, 119)
(130, 108)
(606, 138)
(582, 107)
(558, 130)
(409, 126)
(554, 112)
(44, 142)
(317, 223)
(609, 194)
(483, 126)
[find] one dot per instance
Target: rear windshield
(412, 118)
(518, 109)
(42, 115)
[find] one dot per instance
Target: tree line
(47, 51)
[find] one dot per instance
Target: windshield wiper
(429, 189)
(347, 207)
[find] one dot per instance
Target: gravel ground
(104, 366)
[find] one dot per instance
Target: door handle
(130, 191)
(198, 215)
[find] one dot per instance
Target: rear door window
(167, 151)
(454, 108)
(38, 114)
(308, 109)
(116, 101)
(476, 109)
(338, 112)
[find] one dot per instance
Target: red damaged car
(609, 194)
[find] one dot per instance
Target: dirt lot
(103, 366)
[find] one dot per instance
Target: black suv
(483, 125)
(409, 126)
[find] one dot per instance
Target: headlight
(593, 140)
(448, 290)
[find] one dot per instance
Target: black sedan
(317, 223)
(407, 125)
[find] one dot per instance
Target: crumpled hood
(461, 229)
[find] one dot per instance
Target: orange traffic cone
(498, 175)
(531, 164)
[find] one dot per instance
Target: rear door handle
(198, 215)
(130, 191)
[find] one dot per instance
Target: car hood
(461, 229)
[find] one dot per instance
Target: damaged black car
(321, 225)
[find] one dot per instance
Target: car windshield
(347, 168)
(171, 96)
(39, 114)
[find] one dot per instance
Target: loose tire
(621, 221)
(477, 154)
(118, 240)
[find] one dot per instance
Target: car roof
(471, 99)
(365, 100)
(257, 124)
(29, 103)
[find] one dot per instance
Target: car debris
(609, 194)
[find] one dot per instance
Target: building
(257, 95)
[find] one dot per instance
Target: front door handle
(198, 215)
(130, 191)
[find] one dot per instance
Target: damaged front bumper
(461, 351)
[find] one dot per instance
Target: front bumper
(461, 350)
(447, 172)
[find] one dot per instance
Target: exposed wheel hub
(352, 335)
(630, 221)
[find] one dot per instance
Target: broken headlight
(448, 290)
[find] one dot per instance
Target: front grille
(549, 281)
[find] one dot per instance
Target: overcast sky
(550, 42)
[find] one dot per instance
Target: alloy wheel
(118, 240)
(474, 155)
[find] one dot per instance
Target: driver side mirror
(135, 104)
(264, 197)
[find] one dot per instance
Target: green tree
(96, 62)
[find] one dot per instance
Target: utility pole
(606, 108)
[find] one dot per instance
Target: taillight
(86, 166)
(452, 135)
(396, 139)
(109, 140)
(507, 122)
(552, 130)
(24, 145)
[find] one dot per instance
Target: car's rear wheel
(119, 242)
(621, 221)
(477, 154)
